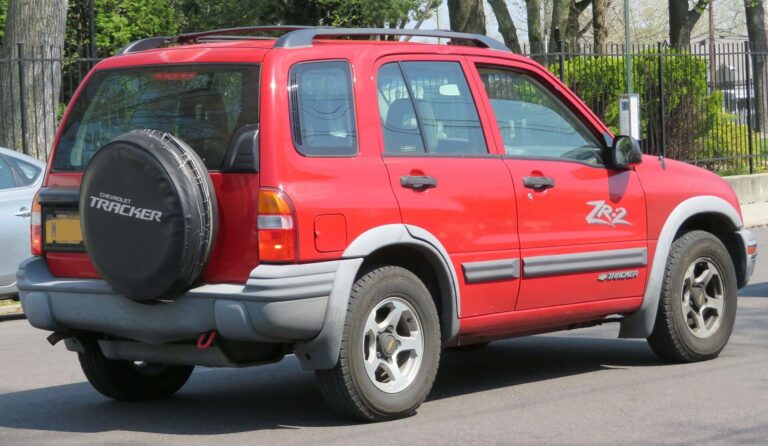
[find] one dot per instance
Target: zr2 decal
(604, 214)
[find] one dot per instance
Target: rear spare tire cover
(148, 214)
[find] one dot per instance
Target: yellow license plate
(62, 227)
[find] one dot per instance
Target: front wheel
(390, 348)
(697, 306)
(129, 380)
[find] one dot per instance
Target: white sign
(629, 115)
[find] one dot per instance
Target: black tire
(126, 381)
(347, 387)
(672, 339)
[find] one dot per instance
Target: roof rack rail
(301, 38)
(296, 36)
(155, 42)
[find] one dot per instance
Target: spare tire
(148, 214)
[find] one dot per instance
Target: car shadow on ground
(282, 396)
(755, 290)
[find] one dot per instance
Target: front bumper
(279, 303)
(750, 259)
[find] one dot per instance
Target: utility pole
(712, 53)
(627, 47)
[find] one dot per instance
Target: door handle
(418, 182)
(539, 183)
(23, 212)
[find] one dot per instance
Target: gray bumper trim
(279, 303)
(748, 239)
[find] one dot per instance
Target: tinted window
(6, 176)
(203, 105)
(534, 123)
(322, 109)
(428, 105)
(26, 173)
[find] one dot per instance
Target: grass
(7, 302)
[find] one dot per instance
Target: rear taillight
(277, 228)
(36, 229)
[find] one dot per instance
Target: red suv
(222, 199)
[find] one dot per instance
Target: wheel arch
(407, 246)
(709, 213)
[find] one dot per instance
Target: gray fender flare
(322, 352)
(640, 323)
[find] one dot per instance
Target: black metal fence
(706, 106)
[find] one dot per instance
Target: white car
(20, 178)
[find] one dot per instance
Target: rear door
(15, 201)
(447, 178)
(582, 224)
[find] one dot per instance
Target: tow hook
(206, 340)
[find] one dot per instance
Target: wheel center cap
(699, 298)
(387, 344)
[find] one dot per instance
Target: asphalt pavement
(579, 387)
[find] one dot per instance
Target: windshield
(204, 105)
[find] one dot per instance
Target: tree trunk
(758, 42)
(561, 9)
(37, 27)
(599, 26)
(467, 16)
(535, 30)
(682, 21)
(507, 27)
(573, 29)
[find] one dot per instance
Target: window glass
(534, 123)
(6, 176)
(322, 109)
(433, 111)
(204, 105)
(25, 172)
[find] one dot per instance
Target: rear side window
(428, 105)
(204, 105)
(322, 109)
(26, 173)
(6, 176)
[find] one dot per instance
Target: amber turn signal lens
(36, 228)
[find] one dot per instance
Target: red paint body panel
(330, 233)
(519, 323)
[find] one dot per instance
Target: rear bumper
(279, 303)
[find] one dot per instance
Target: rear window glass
(26, 173)
(204, 105)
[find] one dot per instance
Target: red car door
(446, 178)
(582, 224)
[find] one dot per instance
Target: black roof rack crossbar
(149, 43)
(303, 37)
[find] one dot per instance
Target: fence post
(662, 104)
(747, 83)
(23, 100)
(561, 57)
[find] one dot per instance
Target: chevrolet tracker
(224, 199)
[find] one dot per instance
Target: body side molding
(581, 262)
(487, 271)
(322, 352)
(640, 323)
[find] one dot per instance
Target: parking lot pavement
(580, 387)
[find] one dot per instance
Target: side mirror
(626, 152)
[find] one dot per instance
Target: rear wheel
(129, 380)
(697, 307)
(390, 348)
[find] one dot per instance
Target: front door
(445, 178)
(582, 224)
